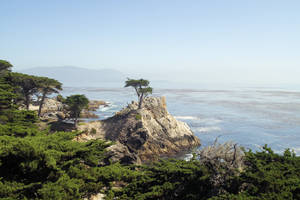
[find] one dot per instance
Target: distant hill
(76, 76)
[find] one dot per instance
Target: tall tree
(6, 96)
(5, 66)
(75, 105)
(46, 86)
(6, 90)
(26, 85)
(141, 87)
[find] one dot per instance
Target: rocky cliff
(142, 135)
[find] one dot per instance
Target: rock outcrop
(92, 106)
(142, 135)
(54, 110)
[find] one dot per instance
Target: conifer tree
(141, 87)
(76, 103)
(46, 86)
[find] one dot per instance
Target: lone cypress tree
(141, 87)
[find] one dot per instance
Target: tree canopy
(26, 86)
(46, 86)
(75, 104)
(5, 66)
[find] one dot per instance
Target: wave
(208, 121)
(208, 129)
(188, 157)
(186, 117)
(106, 108)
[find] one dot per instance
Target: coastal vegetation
(75, 104)
(37, 164)
(46, 86)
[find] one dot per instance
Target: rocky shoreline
(142, 135)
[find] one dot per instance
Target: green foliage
(169, 179)
(25, 86)
(76, 103)
(7, 95)
(267, 176)
(60, 98)
(47, 165)
(46, 86)
(5, 66)
(136, 83)
(141, 87)
(9, 114)
(138, 116)
(270, 175)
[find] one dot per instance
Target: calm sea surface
(250, 117)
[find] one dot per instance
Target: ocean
(250, 117)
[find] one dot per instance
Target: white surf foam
(188, 157)
(104, 108)
(186, 117)
(208, 129)
(208, 121)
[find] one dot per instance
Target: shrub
(93, 131)
(138, 116)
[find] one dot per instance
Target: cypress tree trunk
(141, 100)
(27, 102)
(75, 122)
(41, 104)
(76, 118)
(137, 92)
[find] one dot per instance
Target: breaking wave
(208, 129)
(187, 117)
(208, 121)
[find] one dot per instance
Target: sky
(251, 42)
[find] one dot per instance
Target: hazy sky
(214, 41)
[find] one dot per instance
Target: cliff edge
(142, 135)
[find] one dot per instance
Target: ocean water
(251, 117)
